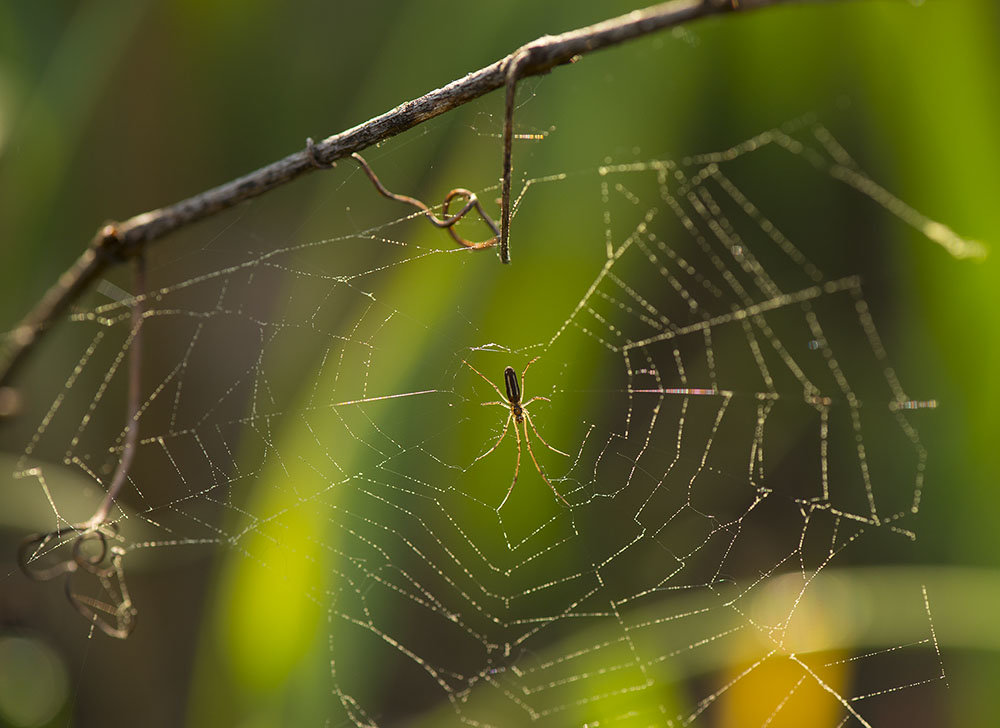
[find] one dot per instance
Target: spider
(519, 413)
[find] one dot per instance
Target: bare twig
(117, 242)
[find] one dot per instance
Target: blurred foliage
(109, 108)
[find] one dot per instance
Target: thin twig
(134, 391)
(514, 71)
(106, 563)
(117, 242)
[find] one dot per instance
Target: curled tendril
(116, 618)
(448, 222)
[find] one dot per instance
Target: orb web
(732, 426)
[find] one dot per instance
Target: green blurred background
(111, 108)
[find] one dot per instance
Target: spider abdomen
(513, 388)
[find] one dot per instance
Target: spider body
(518, 412)
(513, 393)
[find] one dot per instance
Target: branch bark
(118, 242)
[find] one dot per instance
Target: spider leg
(499, 440)
(553, 449)
(537, 466)
(526, 370)
(537, 396)
(517, 465)
(503, 397)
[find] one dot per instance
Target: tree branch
(117, 242)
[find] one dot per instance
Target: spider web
(734, 431)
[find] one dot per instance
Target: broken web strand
(676, 382)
